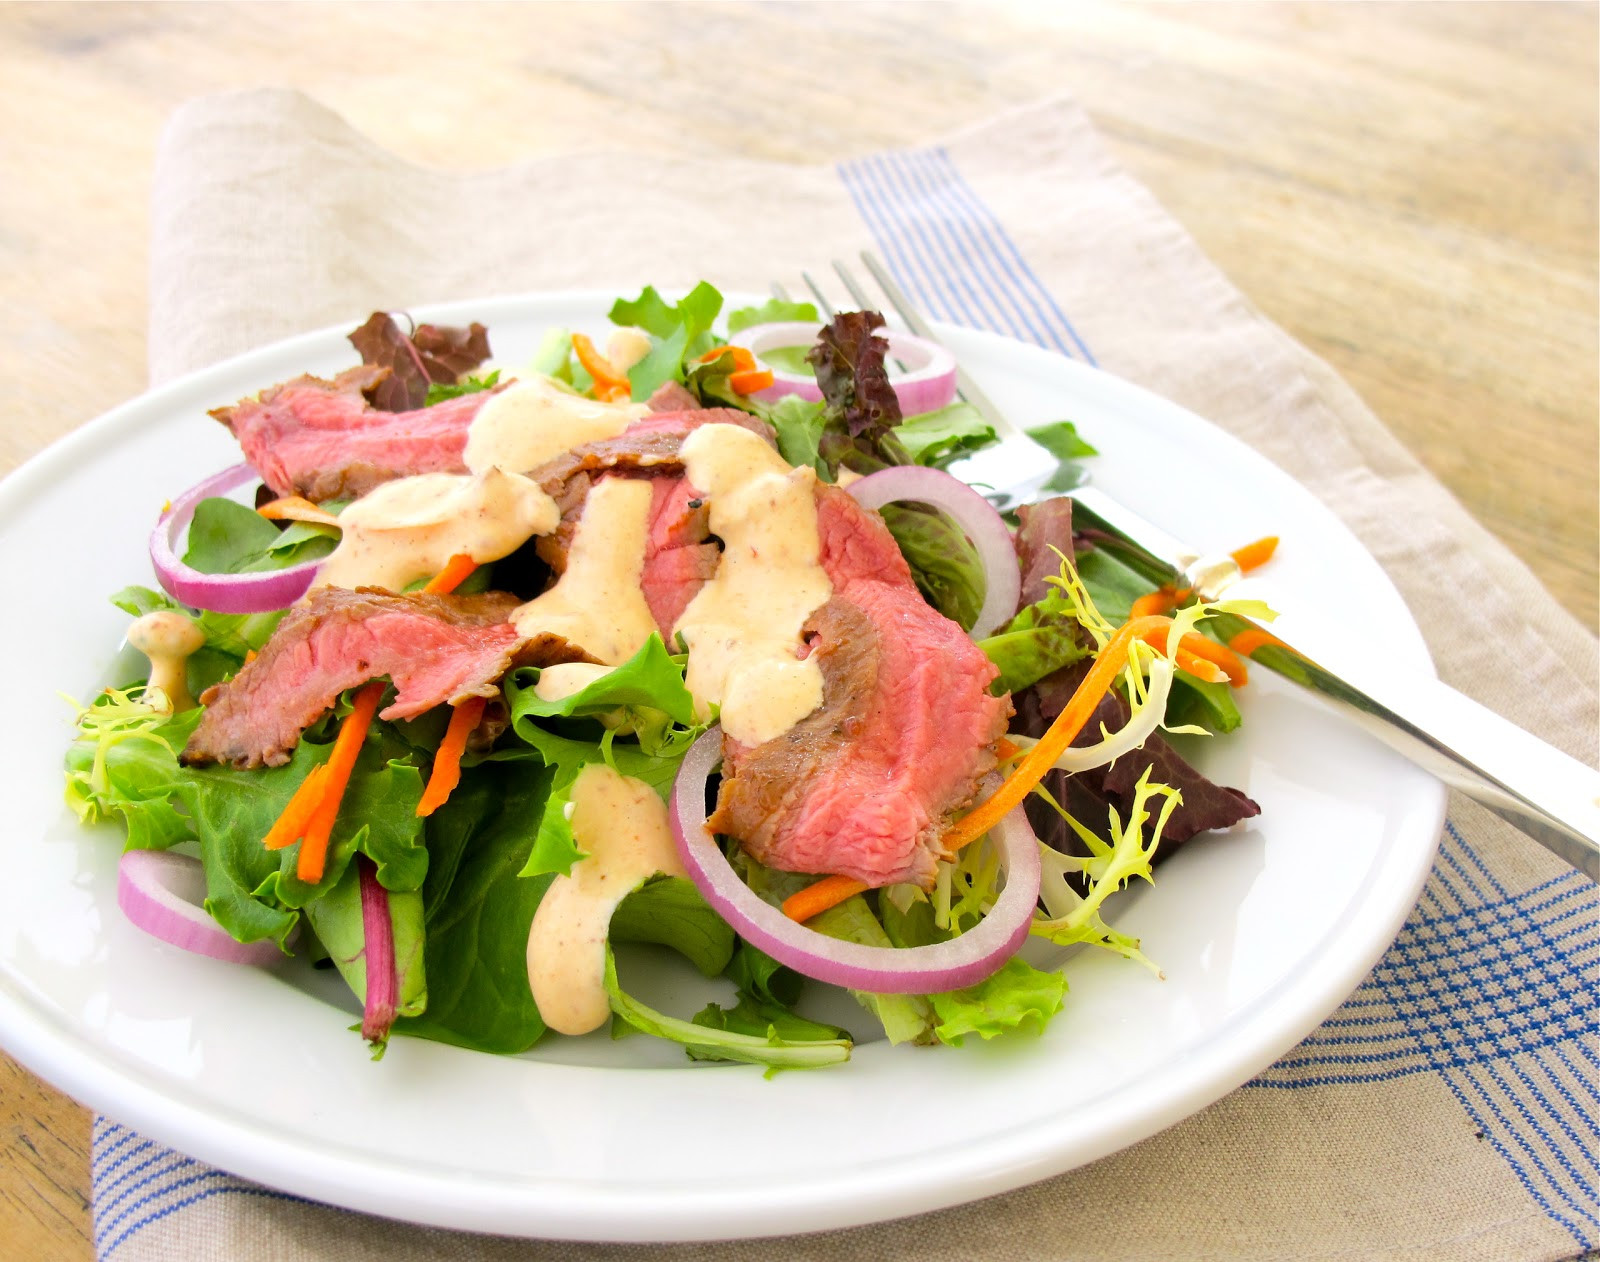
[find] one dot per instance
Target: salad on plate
(691, 638)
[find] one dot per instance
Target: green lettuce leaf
(677, 331)
(1114, 587)
(650, 680)
(669, 911)
(773, 311)
(478, 913)
(1062, 440)
(1017, 999)
(439, 391)
(124, 766)
(943, 561)
(941, 437)
(905, 1018)
(1041, 639)
(703, 1042)
(759, 1018)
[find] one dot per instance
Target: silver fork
(1553, 798)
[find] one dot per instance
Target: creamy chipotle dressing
(597, 604)
(556, 683)
(534, 421)
(743, 628)
(168, 639)
(410, 528)
(622, 825)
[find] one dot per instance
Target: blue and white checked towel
(1447, 1110)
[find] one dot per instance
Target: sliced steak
(864, 785)
(672, 396)
(436, 649)
(323, 440)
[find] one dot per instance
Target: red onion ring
(220, 593)
(927, 384)
(962, 961)
(161, 892)
(978, 521)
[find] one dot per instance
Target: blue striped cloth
(1491, 988)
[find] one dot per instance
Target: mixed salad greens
(458, 889)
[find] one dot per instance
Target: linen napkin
(1447, 1111)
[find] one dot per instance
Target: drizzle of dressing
(743, 627)
(597, 604)
(409, 528)
(534, 421)
(168, 639)
(622, 825)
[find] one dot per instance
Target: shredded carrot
(750, 380)
(296, 508)
(313, 855)
(1205, 659)
(1162, 600)
(1004, 749)
(743, 359)
(1253, 638)
(609, 384)
(817, 897)
(249, 656)
(1108, 664)
(291, 825)
(446, 773)
(456, 571)
(1256, 554)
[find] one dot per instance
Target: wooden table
(1409, 189)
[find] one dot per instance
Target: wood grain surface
(1409, 189)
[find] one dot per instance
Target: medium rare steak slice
(864, 785)
(323, 440)
(436, 649)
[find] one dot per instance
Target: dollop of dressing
(743, 627)
(598, 604)
(168, 639)
(556, 683)
(409, 528)
(622, 825)
(534, 421)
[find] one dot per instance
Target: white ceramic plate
(1261, 931)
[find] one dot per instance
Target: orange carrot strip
(296, 508)
(1253, 638)
(1199, 656)
(1162, 600)
(1215, 655)
(455, 572)
(750, 380)
(249, 656)
(313, 855)
(1257, 553)
(290, 826)
(743, 359)
(1004, 749)
(446, 773)
(1108, 664)
(609, 384)
(817, 897)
